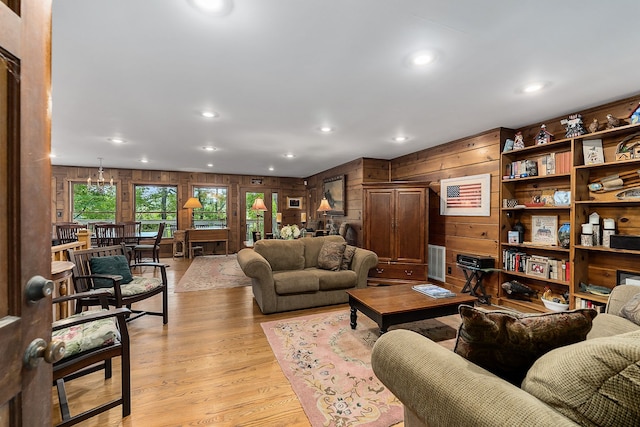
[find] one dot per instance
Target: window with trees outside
(92, 203)
(213, 213)
(155, 204)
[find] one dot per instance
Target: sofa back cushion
(595, 382)
(313, 246)
(282, 254)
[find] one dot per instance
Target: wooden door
(25, 229)
(379, 234)
(409, 225)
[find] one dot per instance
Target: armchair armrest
(443, 389)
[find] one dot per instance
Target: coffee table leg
(354, 317)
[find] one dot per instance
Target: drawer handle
(408, 272)
(379, 270)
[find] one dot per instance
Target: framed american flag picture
(466, 196)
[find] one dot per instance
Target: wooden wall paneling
(376, 170)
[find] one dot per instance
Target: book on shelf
(433, 291)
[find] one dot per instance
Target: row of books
(433, 291)
(585, 303)
(548, 164)
(539, 266)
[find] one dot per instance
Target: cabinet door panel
(409, 223)
(379, 235)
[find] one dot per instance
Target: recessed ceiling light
(210, 165)
(401, 139)
(209, 148)
(117, 140)
(144, 160)
(209, 114)
(533, 87)
(289, 156)
(422, 58)
(326, 129)
(51, 155)
(271, 168)
(213, 7)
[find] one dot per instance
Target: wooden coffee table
(391, 305)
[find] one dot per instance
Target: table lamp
(259, 206)
(192, 204)
(324, 208)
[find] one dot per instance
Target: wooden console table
(207, 235)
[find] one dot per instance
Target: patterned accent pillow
(86, 336)
(115, 265)
(595, 382)
(631, 310)
(330, 256)
(349, 252)
(508, 343)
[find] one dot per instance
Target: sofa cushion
(508, 343)
(606, 325)
(349, 252)
(330, 256)
(295, 282)
(631, 310)
(595, 382)
(331, 280)
(281, 254)
(114, 265)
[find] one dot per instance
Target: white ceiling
(276, 70)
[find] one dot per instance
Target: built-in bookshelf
(551, 181)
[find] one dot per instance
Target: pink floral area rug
(212, 272)
(329, 366)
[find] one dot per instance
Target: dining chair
(108, 267)
(66, 232)
(91, 339)
(109, 234)
(154, 249)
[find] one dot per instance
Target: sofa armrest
(619, 296)
(444, 389)
(254, 265)
(363, 261)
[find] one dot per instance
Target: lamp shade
(193, 202)
(324, 205)
(258, 205)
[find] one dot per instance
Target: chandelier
(100, 182)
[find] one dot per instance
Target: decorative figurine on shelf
(613, 122)
(519, 141)
(544, 135)
(517, 290)
(594, 126)
(634, 118)
(573, 126)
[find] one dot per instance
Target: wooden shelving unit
(596, 265)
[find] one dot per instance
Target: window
(214, 207)
(91, 203)
(156, 204)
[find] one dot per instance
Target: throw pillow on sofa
(349, 252)
(508, 343)
(631, 310)
(595, 382)
(330, 256)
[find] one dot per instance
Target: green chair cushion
(138, 285)
(115, 265)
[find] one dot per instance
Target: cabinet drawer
(400, 271)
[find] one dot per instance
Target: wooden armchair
(92, 339)
(108, 267)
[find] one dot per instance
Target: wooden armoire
(395, 216)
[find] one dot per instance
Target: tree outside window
(92, 203)
(213, 213)
(156, 204)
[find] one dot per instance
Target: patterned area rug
(329, 366)
(212, 272)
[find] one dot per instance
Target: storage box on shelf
(533, 176)
(598, 265)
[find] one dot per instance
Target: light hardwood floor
(211, 365)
